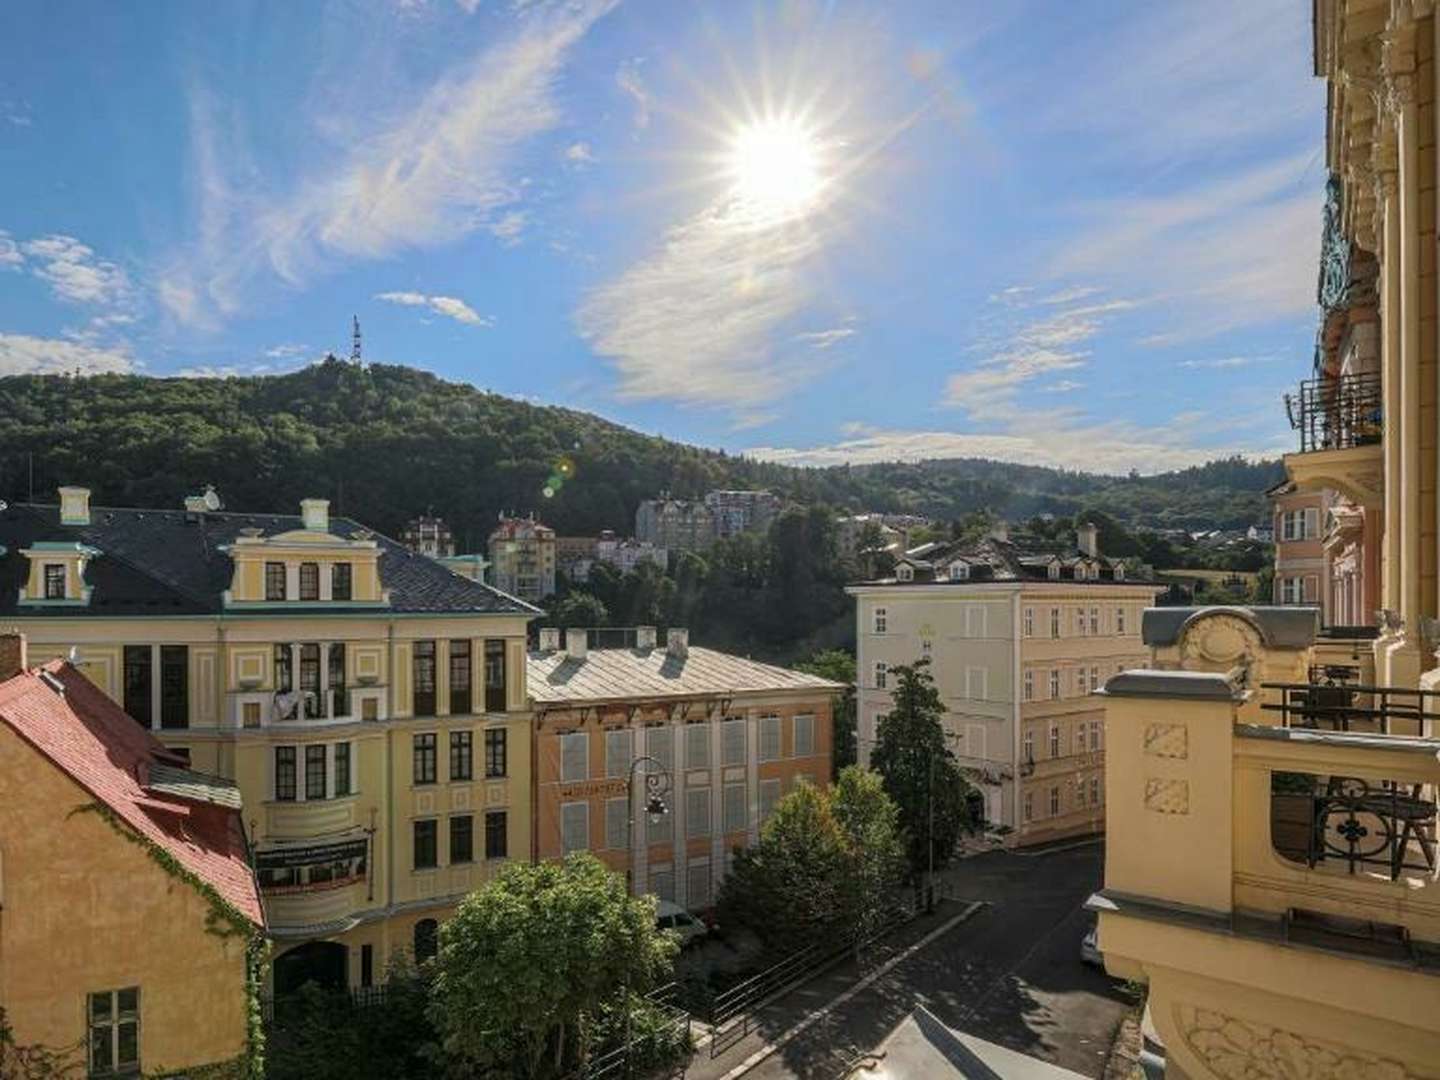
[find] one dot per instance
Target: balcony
(1341, 426)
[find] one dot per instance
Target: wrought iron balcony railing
(1333, 702)
(1338, 413)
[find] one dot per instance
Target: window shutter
(732, 742)
(617, 823)
(804, 736)
(660, 745)
(697, 746)
(697, 812)
(575, 826)
(575, 757)
(617, 753)
(734, 807)
(1312, 523)
(769, 738)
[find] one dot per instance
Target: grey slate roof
(1019, 559)
(610, 674)
(1280, 627)
(169, 562)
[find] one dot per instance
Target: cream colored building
(523, 558)
(1017, 638)
(1271, 864)
(369, 704)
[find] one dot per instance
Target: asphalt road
(1011, 974)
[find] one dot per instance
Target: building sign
(588, 789)
(310, 854)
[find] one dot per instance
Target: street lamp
(657, 786)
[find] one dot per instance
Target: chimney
(1000, 531)
(549, 639)
(644, 637)
(13, 658)
(677, 642)
(1088, 537)
(576, 643)
(316, 514)
(74, 506)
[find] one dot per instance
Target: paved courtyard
(1010, 974)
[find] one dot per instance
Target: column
(752, 776)
(640, 832)
(717, 805)
(155, 686)
(325, 709)
(442, 677)
(681, 858)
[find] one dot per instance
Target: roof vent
(644, 637)
(577, 643)
(74, 506)
(677, 641)
(549, 639)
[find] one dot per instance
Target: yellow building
(1018, 636)
(1271, 865)
(105, 838)
(368, 702)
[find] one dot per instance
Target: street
(1010, 974)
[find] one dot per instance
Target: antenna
(355, 340)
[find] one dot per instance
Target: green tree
(920, 772)
(578, 608)
(838, 666)
(874, 855)
(530, 958)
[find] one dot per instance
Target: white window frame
(977, 683)
(804, 746)
(1055, 623)
(881, 620)
(1094, 622)
(1027, 748)
(1120, 622)
(1055, 684)
(1054, 741)
(770, 739)
(1080, 622)
(882, 670)
(1054, 800)
(728, 742)
(960, 570)
(1029, 622)
(1028, 807)
(1029, 684)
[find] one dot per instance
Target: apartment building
(675, 524)
(523, 558)
(736, 512)
(1301, 571)
(368, 703)
(1018, 638)
(1271, 863)
(717, 739)
(94, 809)
(428, 535)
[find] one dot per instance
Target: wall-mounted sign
(588, 789)
(284, 858)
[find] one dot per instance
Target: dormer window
(341, 581)
(309, 581)
(1082, 572)
(904, 572)
(54, 581)
(1119, 571)
(274, 581)
(1054, 571)
(959, 571)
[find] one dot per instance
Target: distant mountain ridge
(387, 442)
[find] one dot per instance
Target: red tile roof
(94, 742)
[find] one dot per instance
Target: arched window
(427, 940)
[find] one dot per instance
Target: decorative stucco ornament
(1334, 250)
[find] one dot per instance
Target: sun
(776, 166)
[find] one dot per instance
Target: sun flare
(776, 166)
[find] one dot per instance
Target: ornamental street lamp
(657, 787)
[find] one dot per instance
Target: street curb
(884, 969)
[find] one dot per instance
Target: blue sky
(1068, 234)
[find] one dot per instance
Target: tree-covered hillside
(385, 443)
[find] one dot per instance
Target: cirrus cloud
(451, 307)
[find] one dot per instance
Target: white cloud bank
(21, 354)
(451, 307)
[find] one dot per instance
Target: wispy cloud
(579, 154)
(627, 78)
(436, 171)
(451, 307)
(10, 257)
(73, 271)
(824, 339)
(1064, 386)
(21, 354)
(1225, 363)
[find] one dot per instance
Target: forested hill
(385, 443)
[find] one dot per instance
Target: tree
(874, 856)
(531, 958)
(579, 609)
(920, 772)
(838, 666)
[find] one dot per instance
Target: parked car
(1090, 948)
(669, 916)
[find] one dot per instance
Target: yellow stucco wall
(83, 910)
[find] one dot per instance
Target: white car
(670, 916)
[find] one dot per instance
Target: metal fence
(620, 1061)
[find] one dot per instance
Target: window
(1029, 806)
(137, 683)
(660, 745)
(284, 670)
(927, 647)
(1080, 622)
(342, 586)
(315, 772)
(575, 757)
(285, 774)
(977, 683)
(1029, 622)
(1029, 746)
(1054, 802)
(1029, 686)
(732, 742)
(660, 829)
(769, 749)
(174, 686)
(1080, 738)
(697, 811)
(274, 581)
(342, 769)
(1079, 791)
(880, 620)
(1119, 620)
(1054, 683)
(424, 665)
(462, 839)
(574, 827)
(1054, 622)
(115, 1032)
(1094, 622)
(309, 581)
(426, 857)
(495, 752)
(1096, 727)
(54, 581)
(769, 796)
(733, 807)
(881, 670)
(1054, 740)
(462, 755)
(459, 677)
(427, 940)
(496, 834)
(495, 675)
(959, 571)
(974, 620)
(662, 883)
(697, 746)
(310, 679)
(1053, 571)
(423, 749)
(617, 823)
(1094, 791)
(697, 881)
(1300, 524)
(904, 572)
(1292, 590)
(804, 736)
(619, 753)
(339, 699)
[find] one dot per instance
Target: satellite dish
(212, 500)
